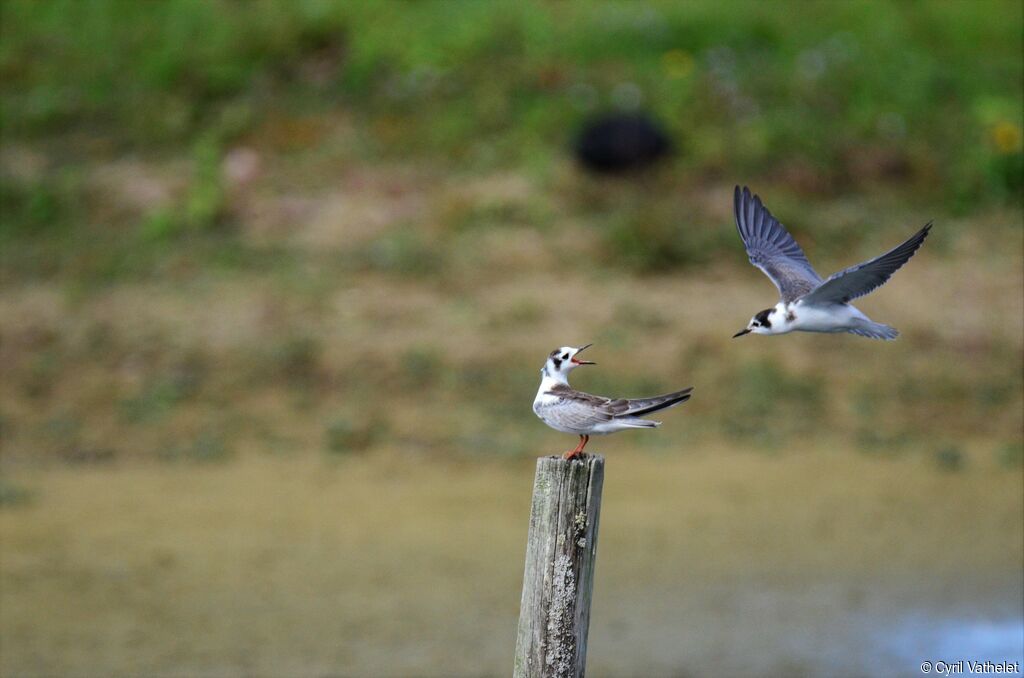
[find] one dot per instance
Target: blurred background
(278, 279)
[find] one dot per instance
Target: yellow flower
(1006, 137)
(677, 63)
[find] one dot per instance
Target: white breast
(544, 398)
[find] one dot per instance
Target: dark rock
(621, 142)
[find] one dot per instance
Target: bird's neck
(550, 377)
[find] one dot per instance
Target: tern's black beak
(582, 362)
(741, 333)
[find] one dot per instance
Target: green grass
(880, 97)
(827, 94)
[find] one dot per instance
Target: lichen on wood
(559, 572)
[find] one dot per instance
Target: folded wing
(858, 280)
(583, 410)
(641, 406)
(771, 248)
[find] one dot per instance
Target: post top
(584, 458)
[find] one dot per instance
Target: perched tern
(566, 409)
(808, 303)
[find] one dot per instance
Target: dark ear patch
(558, 362)
(762, 317)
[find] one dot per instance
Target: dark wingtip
(672, 400)
(740, 199)
(921, 235)
(682, 396)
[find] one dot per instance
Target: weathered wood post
(554, 614)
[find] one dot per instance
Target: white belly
(830, 318)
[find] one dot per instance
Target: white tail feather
(638, 423)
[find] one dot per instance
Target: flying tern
(807, 303)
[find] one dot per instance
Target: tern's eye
(565, 357)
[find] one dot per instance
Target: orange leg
(579, 448)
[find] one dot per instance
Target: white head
(768, 321)
(562, 361)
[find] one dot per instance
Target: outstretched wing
(858, 280)
(771, 248)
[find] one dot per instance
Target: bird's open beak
(581, 362)
(741, 332)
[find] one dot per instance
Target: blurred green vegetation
(826, 93)
(824, 98)
(229, 225)
(13, 494)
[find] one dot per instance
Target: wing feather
(771, 248)
(641, 406)
(578, 410)
(581, 409)
(861, 279)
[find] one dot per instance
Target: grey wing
(771, 248)
(579, 410)
(858, 280)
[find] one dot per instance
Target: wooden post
(554, 614)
